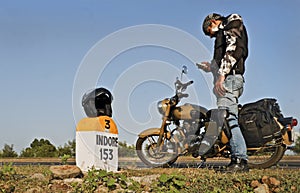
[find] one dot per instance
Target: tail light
(294, 122)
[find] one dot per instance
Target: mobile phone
(201, 65)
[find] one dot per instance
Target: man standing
(227, 66)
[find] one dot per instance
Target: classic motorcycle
(190, 129)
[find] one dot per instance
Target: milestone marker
(97, 144)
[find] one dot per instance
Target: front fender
(149, 131)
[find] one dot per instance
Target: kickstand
(184, 152)
(201, 164)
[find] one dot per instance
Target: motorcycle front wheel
(152, 155)
(266, 156)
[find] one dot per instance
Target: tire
(151, 156)
(267, 156)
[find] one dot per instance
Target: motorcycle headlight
(162, 106)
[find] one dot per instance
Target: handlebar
(182, 86)
(182, 95)
(188, 83)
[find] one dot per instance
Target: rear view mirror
(184, 70)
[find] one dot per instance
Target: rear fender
(285, 136)
(150, 131)
(286, 139)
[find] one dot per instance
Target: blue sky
(44, 44)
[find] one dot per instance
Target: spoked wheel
(266, 156)
(155, 156)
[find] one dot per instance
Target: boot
(237, 165)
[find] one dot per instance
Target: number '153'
(106, 154)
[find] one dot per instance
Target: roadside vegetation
(38, 178)
(172, 180)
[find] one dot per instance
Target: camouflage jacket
(231, 46)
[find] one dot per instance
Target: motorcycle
(191, 129)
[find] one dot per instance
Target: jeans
(234, 89)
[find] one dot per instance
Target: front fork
(163, 127)
(162, 133)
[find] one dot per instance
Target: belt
(234, 72)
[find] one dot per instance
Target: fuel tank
(189, 111)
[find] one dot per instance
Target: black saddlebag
(257, 122)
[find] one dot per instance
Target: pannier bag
(97, 102)
(257, 122)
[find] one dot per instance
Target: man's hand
(219, 88)
(205, 66)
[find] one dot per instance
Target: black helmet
(97, 102)
(207, 22)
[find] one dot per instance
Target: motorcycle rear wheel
(268, 155)
(154, 156)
